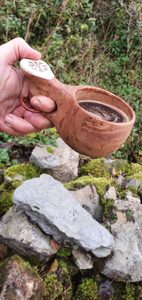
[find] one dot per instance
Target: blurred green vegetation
(96, 42)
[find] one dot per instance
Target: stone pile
(100, 217)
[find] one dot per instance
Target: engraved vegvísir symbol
(38, 66)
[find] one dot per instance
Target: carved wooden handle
(43, 82)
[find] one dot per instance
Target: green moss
(80, 182)
(58, 282)
(66, 280)
(25, 264)
(15, 175)
(5, 201)
(54, 287)
(2, 166)
(129, 169)
(50, 149)
(134, 169)
(64, 252)
(96, 168)
(121, 166)
(87, 290)
(130, 215)
(26, 170)
(20, 172)
(108, 206)
(123, 193)
(130, 292)
(136, 176)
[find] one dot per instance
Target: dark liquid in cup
(105, 112)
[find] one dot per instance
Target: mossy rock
(100, 183)
(18, 173)
(13, 177)
(96, 168)
(58, 281)
(15, 274)
(87, 290)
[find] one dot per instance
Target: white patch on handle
(36, 68)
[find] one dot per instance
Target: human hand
(14, 118)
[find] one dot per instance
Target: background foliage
(96, 42)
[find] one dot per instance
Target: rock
(126, 262)
(25, 238)
(62, 163)
(111, 193)
(129, 196)
(83, 260)
(57, 212)
(19, 281)
(120, 181)
(89, 200)
(135, 183)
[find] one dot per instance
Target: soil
(105, 112)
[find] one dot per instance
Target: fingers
(37, 120)
(22, 121)
(17, 49)
(43, 103)
(15, 125)
(7, 129)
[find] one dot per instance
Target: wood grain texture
(82, 130)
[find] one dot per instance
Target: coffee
(106, 112)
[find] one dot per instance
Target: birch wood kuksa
(92, 121)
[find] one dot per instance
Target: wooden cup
(90, 133)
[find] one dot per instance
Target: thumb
(15, 50)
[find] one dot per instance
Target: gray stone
(62, 163)
(126, 262)
(129, 197)
(120, 181)
(111, 193)
(22, 236)
(133, 183)
(57, 212)
(83, 260)
(89, 200)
